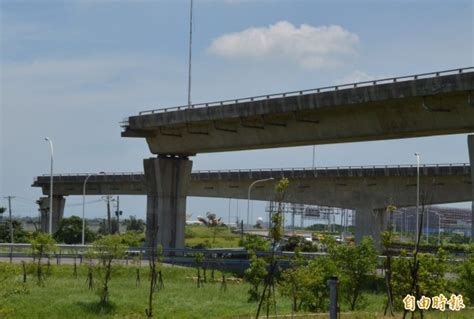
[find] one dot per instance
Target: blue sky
(72, 70)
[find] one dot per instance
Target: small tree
(255, 275)
(276, 234)
(70, 231)
(387, 241)
(356, 265)
(431, 275)
(466, 278)
(213, 223)
(106, 250)
(292, 279)
(154, 259)
(199, 259)
(134, 224)
(19, 234)
(307, 284)
(43, 245)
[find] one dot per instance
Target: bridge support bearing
(371, 222)
(167, 180)
(58, 212)
(470, 145)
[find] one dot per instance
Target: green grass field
(64, 296)
(198, 234)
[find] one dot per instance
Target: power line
(80, 204)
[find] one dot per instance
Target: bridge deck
(419, 105)
(462, 169)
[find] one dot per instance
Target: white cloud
(308, 46)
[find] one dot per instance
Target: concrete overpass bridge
(366, 189)
(427, 104)
(411, 106)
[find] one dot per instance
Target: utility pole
(109, 221)
(417, 155)
(118, 212)
(228, 219)
(10, 216)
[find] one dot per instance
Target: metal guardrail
(125, 122)
(236, 258)
(255, 170)
(228, 252)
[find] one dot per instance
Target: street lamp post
(439, 228)
(84, 205)
(427, 226)
(417, 194)
(248, 197)
(50, 188)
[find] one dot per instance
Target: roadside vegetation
(200, 236)
(104, 285)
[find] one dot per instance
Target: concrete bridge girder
(367, 190)
(369, 121)
(347, 187)
(418, 107)
(350, 192)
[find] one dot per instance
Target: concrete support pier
(58, 212)
(370, 222)
(167, 181)
(470, 145)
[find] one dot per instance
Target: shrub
(254, 243)
(431, 275)
(255, 275)
(42, 245)
(298, 242)
(307, 284)
(356, 266)
(70, 231)
(466, 279)
(106, 250)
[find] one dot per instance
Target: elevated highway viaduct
(411, 106)
(366, 189)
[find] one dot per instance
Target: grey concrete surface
(420, 107)
(58, 212)
(370, 222)
(166, 182)
(368, 190)
(347, 187)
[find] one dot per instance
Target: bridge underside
(400, 118)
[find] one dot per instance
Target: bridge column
(470, 145)
(370, 222)
(167, 180)
(58, 212)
